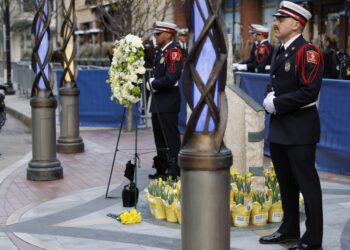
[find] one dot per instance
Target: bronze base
(70, 145)
(44, 170)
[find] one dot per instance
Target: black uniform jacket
(251, 61)
(184, 51)
(294, 124)
(264, 52)
(260, 56)
(167, 71)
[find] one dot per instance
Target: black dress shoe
(155, 176)
(277, 238)
(302, 246)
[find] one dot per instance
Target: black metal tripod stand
(136, 158)
(136, 155)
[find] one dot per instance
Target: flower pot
(258, 215)
(240, 216)
(150, 199)
(170, 212)
(178, 211)
(276, 212)
(158, 208)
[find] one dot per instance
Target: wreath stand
(136, 160)
(136, 155)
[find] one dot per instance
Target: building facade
(330, 19)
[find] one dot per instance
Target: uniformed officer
(296, 76)
(182, 37)
(261, 53)
(331, 61)
(165, 104)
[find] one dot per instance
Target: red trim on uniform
(165, 29)
(302, 60)
(175, 55)
(263, 33)
(296, 16)
(262, 57)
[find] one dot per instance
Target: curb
(26, 120)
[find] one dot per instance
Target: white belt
(309, 105)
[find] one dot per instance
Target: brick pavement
(81, 171)
(91, 169)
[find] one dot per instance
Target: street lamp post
(8, 86)
(44, 165)
(69, 140)
(204, 159)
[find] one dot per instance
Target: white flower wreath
(125, 73)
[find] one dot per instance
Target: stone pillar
(44, 165)
(69, 140)
(204, 159)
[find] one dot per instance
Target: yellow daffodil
(266, 171)
(130, 217)
(233, 171)
(160, 182)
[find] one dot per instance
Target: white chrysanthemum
(134, 41)
(125, 73)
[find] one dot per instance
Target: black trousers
(172, 135)
(295, 171)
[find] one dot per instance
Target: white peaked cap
(159, 27)
(182, 31)
(290, 9)
(257, 28)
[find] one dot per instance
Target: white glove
(234, 66)
(267, 67)
(242, 67)
(268, 103)
(149, 83)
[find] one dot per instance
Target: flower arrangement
(259, 197)
(130, 217)
(249, 206)
(272, 185)
(164, 199)
(126, 70)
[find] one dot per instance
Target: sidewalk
(71, 213)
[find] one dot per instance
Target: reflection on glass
(204, 66)
(44, 44)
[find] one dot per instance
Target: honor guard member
(165, 104)
(331, 60)
(295, 82)
(182, 36)
(261, 53)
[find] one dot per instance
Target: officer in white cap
(261, 53)
(295, 82)
(182, 37)
(165, 104)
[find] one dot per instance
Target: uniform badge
(261, 50)
(312, 56)
(161, 60)
(287, 66)
(175, 56)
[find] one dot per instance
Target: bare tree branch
(121, 17)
